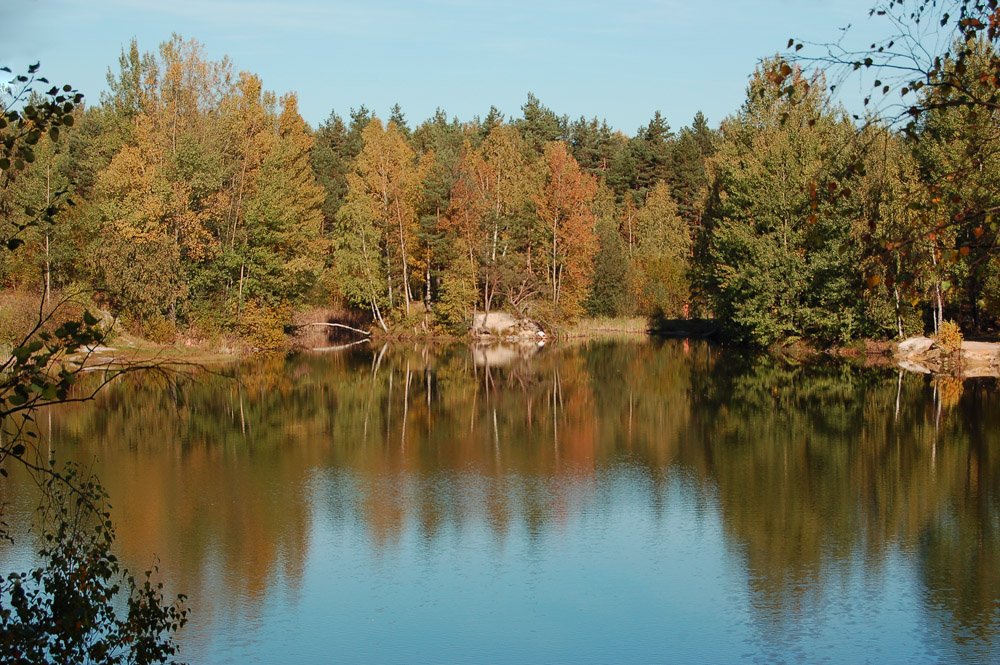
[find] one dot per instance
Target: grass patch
(605, 326)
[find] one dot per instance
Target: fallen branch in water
(337, 325)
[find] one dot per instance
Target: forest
(195, 204)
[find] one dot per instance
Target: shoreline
(919, 355)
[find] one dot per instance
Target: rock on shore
(924, 355)
(503, 326)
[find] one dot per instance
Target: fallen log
(336, 325)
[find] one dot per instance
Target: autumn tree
(567, 229)
(248, 114)
(208, 200)
(161, 172)
(489, 214)
(378, 222)
(138, 263)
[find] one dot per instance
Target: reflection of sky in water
(599, 583)
(622, 572)
(629, 504)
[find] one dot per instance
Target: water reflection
(766, 510)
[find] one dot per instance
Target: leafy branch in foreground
(922, 64)
(64, 610)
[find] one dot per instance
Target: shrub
(458, 297)
(159, 329)
(949, 337)
(261, 325)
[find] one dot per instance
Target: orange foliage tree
(567, 224)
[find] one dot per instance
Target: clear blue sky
(616, 60)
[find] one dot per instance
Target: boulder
(914, 346)
(500, 325)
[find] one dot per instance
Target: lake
(616, 501)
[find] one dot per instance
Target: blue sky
(616, 60)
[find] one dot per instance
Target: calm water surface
(613, 502)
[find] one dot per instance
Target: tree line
(206, 204)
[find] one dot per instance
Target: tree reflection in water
(816, 471)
